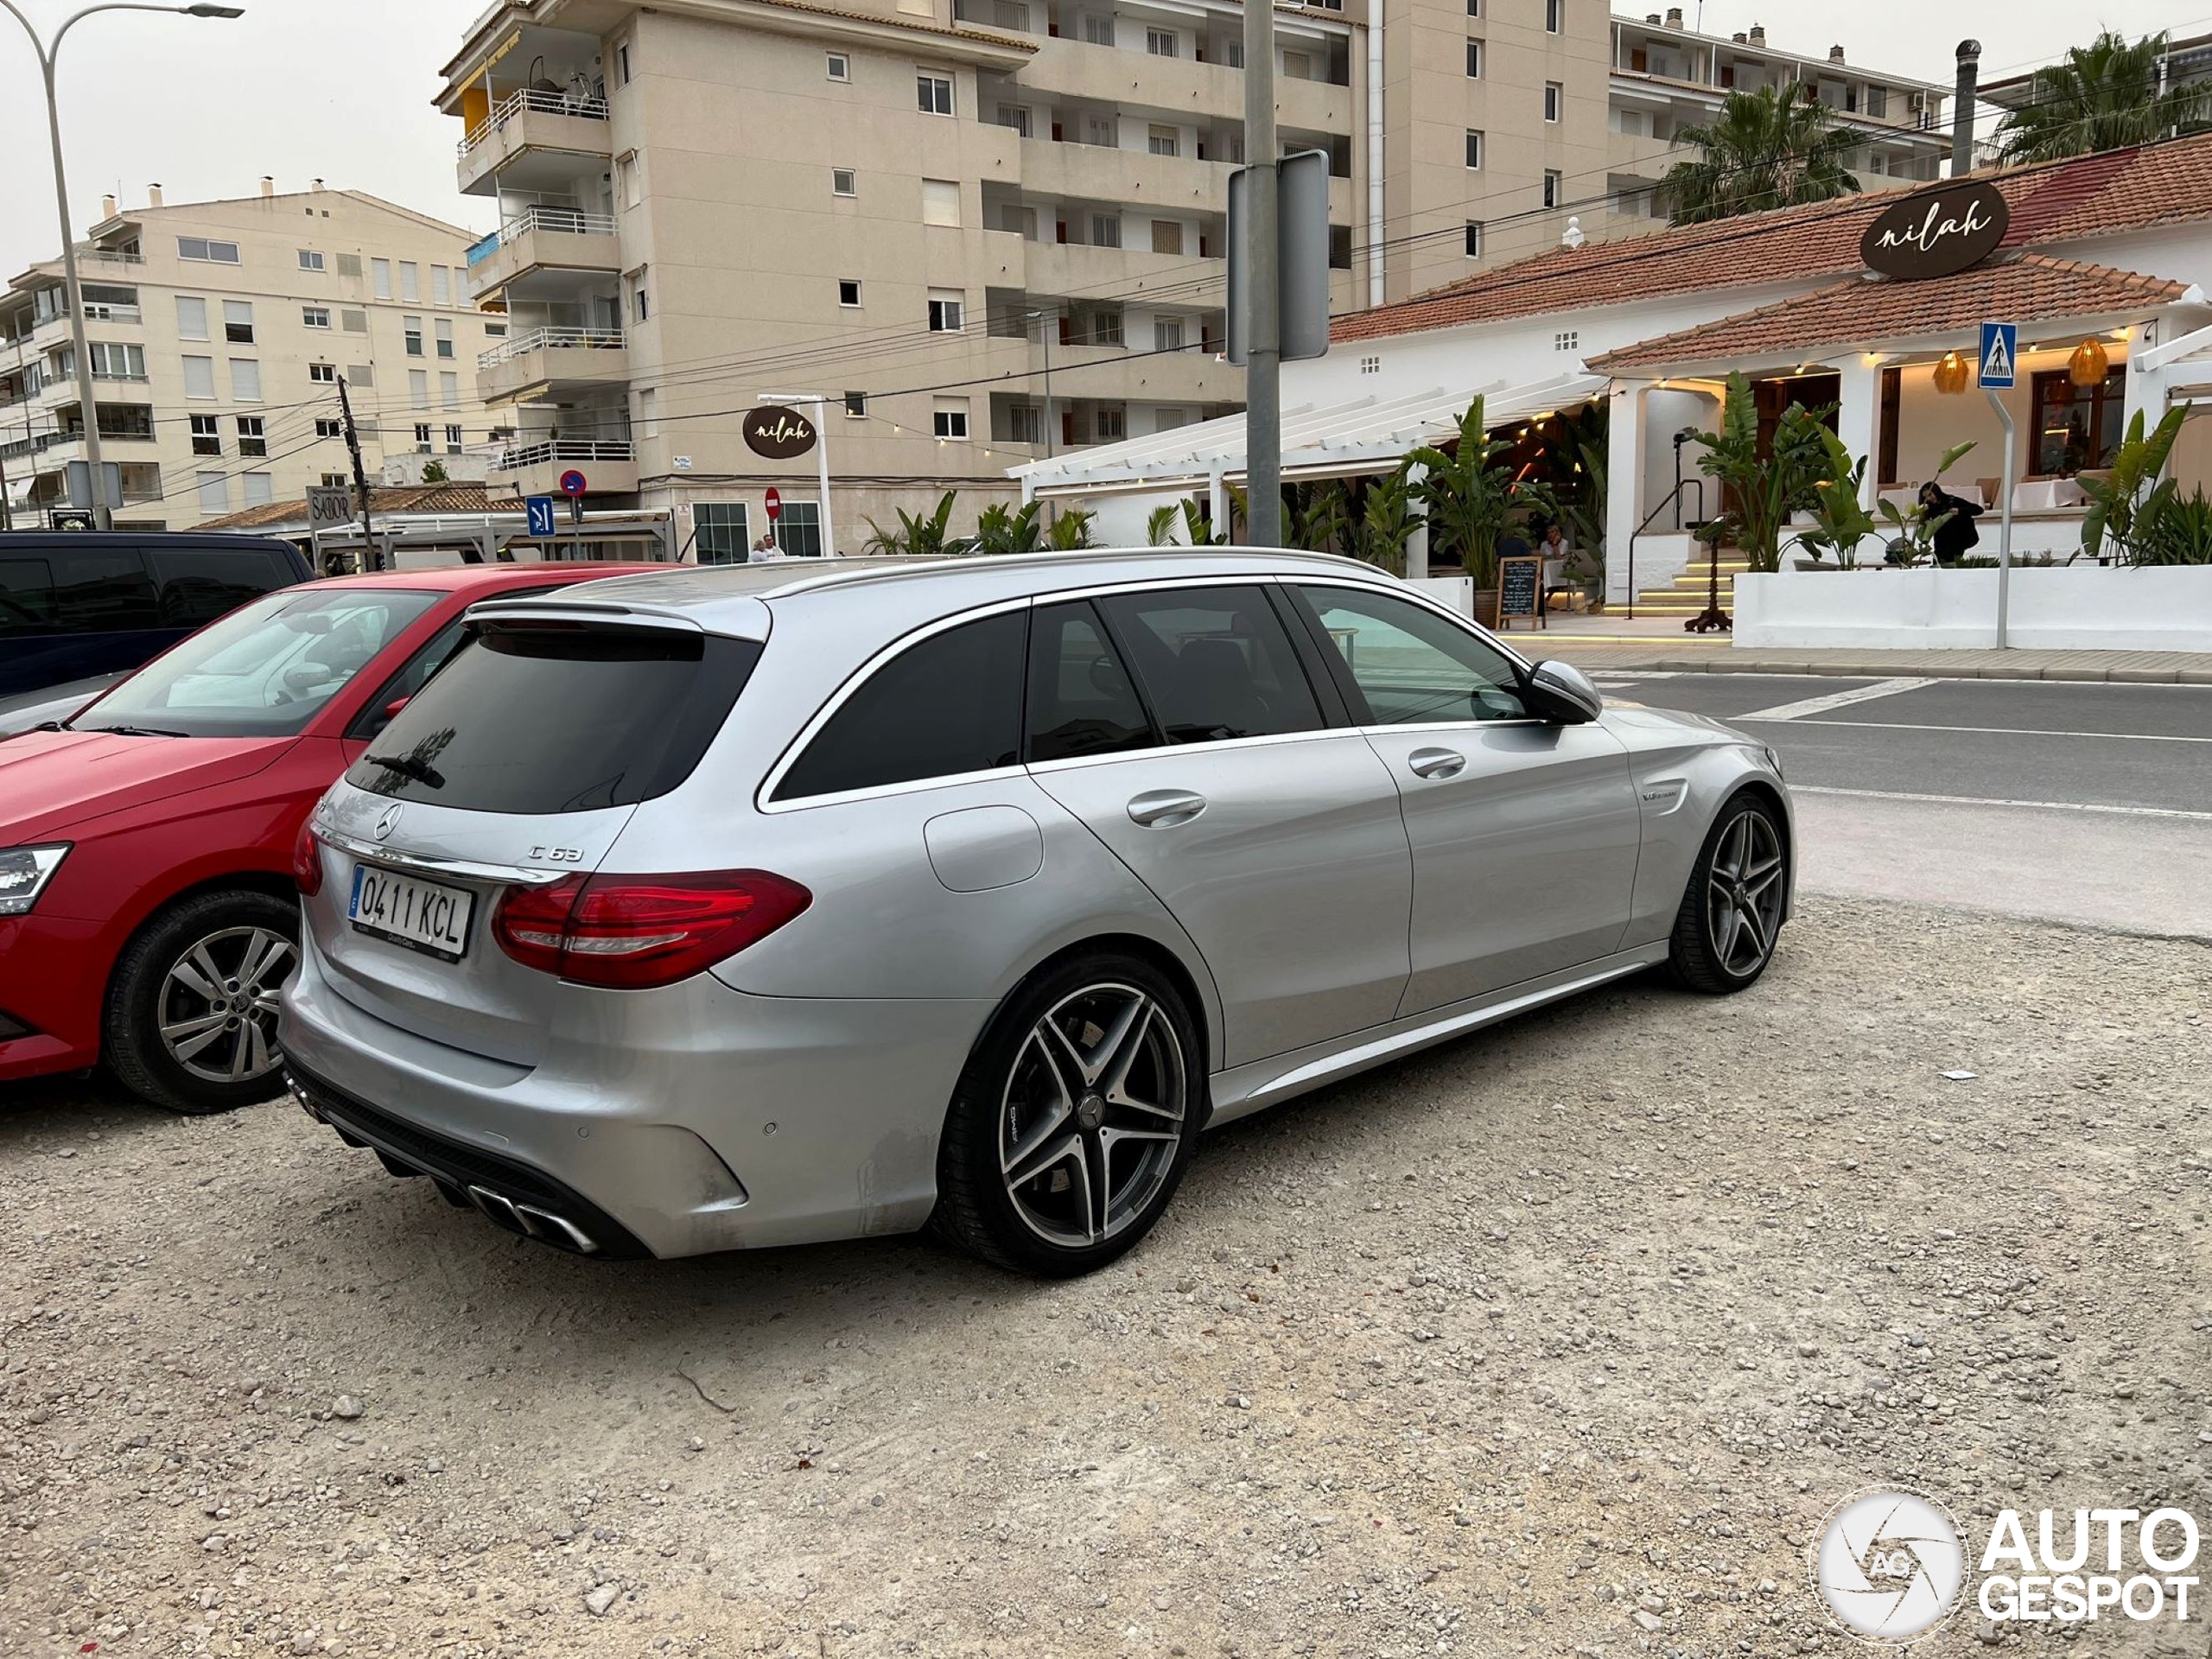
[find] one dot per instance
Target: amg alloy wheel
(1725, 931)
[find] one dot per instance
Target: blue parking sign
(540, 509)
(2000, 348)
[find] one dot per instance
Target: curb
(1864, 670)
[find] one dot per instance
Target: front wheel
(191, 1020)
(1073, 1120)
(1725, 931)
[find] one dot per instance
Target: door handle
(1435, 763)
(1163, 809)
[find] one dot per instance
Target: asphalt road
(2087, 803)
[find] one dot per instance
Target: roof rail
(931, 564)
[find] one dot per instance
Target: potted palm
(1471, 499)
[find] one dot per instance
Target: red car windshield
(264, 670)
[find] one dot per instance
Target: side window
(197, 587)
(948, 705)
(416, 673)
(26, 598)
(1080, 698)
(103, 592)
(1215, 663)
(1412, 667)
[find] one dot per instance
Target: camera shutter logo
(1890, 1565)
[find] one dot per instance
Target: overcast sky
(341, 89)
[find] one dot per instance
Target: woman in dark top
(1956, 533)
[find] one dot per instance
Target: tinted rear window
(947, 705)
(1216, 662)
(546, 720)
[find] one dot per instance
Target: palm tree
(1773, 147)
(2103, 95)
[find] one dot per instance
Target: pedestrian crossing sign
(2000, 343)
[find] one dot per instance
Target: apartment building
(217, 332)
(988, 230)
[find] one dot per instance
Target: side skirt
(1252, 1087)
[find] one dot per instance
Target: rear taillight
(306, 862)
(633, 932)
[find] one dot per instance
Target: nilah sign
(778, 432)
(1935, 233)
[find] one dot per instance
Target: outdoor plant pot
(1486, 607)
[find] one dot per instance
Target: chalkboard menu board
(1520, 590)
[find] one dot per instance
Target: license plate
(419, 914)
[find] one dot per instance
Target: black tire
(1059, 1225)
(237, 933)
(1733, 910)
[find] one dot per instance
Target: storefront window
(2077, 427)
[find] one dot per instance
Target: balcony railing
(534, 101)
(551, 339)
(515, 457)
(564, 221)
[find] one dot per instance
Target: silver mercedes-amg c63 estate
(776, 903)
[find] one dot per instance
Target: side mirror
(1563, 693)
(391, 709)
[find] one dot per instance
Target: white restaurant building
(2114, 247)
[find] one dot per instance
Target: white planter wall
(2077, 608)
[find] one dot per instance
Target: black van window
(26, 597)
(196, 588)
(102, 590)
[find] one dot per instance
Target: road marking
(1820, 705)
(1978, 800)
(1634, 674)
(1984, 731)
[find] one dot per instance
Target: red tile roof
(1868, 311)
(2050, 202)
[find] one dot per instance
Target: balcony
(1135, 374)
(1084, 267)
(609, 465)
(1097, 173)
(541, 239)
(540, 359)
(530, 141)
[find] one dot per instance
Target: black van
(81, 605)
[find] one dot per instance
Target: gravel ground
(1559, 1340)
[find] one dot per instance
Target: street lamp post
(73, 295)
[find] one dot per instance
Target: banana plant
(1001, 530)
(1071, 530)
(1840, 518)
(1472, 496)
(1160, 524)
(2115, 502)
(1911, 525)
(920, 534)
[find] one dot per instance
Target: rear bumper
(718, 1122)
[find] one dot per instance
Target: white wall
(2077, 607)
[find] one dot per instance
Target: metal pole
(1263, 343)
(2005, 522)
(1045, 328)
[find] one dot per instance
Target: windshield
(264, 670)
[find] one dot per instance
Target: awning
(1348, 440)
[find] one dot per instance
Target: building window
(1878, 102)
(1567, 340)
(2077, 427)
(200, 377)
(798, 532)
(207, 435)
(422, 446)
(719, 532)
(1298, 66)
(641, 302)
(945, 306)
(360, 375)
(191, 317)
(1474, 60)
(1474, 149)
(334, 480)
(1110, 424)
(245, 380)
(1551, 100)
(1016, 116)
(254, 437)
(949, 419)
(315, 317)
(495, 331)
(1163, 141)
(1167, 333)
(452, 440)
(940, 202)
(413, 327)
(649, 411)
(354, 322)
(1105, 229)
(237, 322)
(1474, 8)
(440, 285)
(327, 427)
(1166, 236)
(856, 405)
(1103, 132)
(214, 491)
(1555, 188)
(1339, 247)
(1098, 30)
(844, 181)
(1370, 364)
(622, 64)
(310, 260)
(418, 388)
(323, 374)
(848, 290)
(933, 93)
(450, 389)
(1474, 238)
(349, 265)
(443, 326)
(840, 66)
(380, 279)
(213, 253)
(1555, 16)
(117, 361)
(1160, 42)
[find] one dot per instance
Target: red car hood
(49, 780)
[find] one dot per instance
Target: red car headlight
(24, 872)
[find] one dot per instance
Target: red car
(147, 912)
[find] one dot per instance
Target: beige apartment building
(985, 230)
(217, 332)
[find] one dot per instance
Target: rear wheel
(1074, 1119)
(1725, 932)
(191, 1021)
